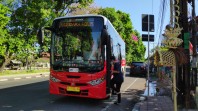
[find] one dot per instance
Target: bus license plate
(75, 89)
(73, 69)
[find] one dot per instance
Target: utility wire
(152, 6)
(171, 12)
(159, 20)
(163, 10)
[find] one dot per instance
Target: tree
(64, 7)
(7, 44)
(92, 9)
(25, 22)
(21, 25)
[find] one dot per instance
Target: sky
(135, 8)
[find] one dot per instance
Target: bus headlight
(52, 78)
(96, 82)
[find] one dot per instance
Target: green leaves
(20, 21)
(4, 19)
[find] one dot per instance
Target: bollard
(196, 96)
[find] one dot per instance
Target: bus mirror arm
(40, 36)
(104, 36)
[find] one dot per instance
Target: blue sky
(135, 8)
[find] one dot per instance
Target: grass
(15, 72)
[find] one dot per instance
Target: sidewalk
(153, 102)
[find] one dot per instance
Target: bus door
(107, 46)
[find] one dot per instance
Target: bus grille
(76, 84)
(65, 83)
(82, 92)
(75, 77)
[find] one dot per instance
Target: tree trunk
(6, 61)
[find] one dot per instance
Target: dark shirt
(118, 77)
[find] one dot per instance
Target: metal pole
(174, 88)
(186, 68)
(148, 55)
(194, 29)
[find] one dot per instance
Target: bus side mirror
(40, 36)
(104, 36)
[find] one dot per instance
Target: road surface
(31, 94)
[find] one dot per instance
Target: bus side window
(118, 51)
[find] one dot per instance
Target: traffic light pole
(148, 75)
(148, 25)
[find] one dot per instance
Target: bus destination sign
(76, 24)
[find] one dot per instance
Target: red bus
(81, 48)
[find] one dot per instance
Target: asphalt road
(31, 94)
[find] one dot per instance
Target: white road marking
(16, 78)
(3, 79)
(114, 99)
(28, 77)
(105, 109)
(130, 85)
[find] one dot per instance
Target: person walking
(117, 80)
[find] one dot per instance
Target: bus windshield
(76, 45)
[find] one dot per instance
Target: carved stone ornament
(171, 35)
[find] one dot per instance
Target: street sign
(186, 40)
(148, 20)
(145, 37)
